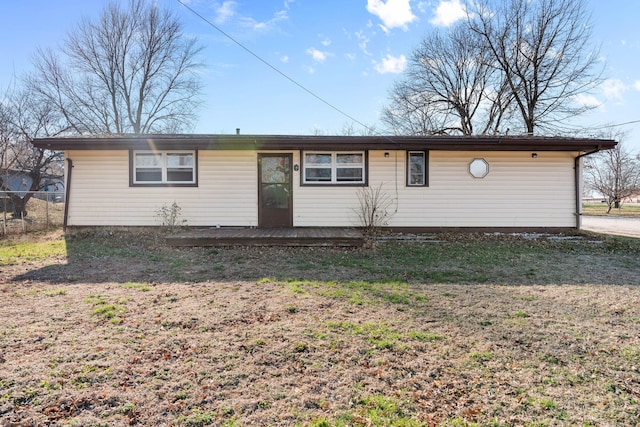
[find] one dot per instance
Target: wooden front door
(275, 208)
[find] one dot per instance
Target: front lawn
(461, 330)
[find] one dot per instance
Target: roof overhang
(301, 142)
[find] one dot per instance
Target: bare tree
(413, 111)
(131, 71)
(543, 49)
(456, 68)
(614, 173)
(451, 86)
(349, 129)
(512, 63)
(7, 135)
(23, 117)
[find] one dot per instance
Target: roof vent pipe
(237, 131)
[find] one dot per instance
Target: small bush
(374, 208)
(169, 216)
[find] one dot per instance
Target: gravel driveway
(612, 225)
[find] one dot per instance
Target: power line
(274, 68)
(318, 97)
(591, 129)
(616, 125)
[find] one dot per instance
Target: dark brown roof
(301, 142)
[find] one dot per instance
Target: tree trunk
(19, 205)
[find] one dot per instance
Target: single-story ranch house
(265, 181)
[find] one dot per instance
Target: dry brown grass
(41, 215)
(84, 345)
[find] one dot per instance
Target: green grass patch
(482, 356)
(12, 252)
(379, 410)
(379, 335)
(631, 353)
(198, 417)
(54, 292)
(298, 286)
(459, 422)
(370, 292)
(548, 404)
(136, 285)
(425, 336)
(108, 311)
(103, 310)
(600, 209)
(446, 262)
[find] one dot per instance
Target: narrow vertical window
(417, 169)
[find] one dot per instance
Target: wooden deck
(307, 236)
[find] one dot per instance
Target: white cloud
(585, 100)
(267, 25)
(284, 59)
(363, 41)
(317, 55)
(636, 85)
(613, 89)
(224, 12)
(448, 12)
(422, 6)
(392, 64)
(393, 13)
(325, 42)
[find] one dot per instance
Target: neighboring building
(19, 182)
(434, 182)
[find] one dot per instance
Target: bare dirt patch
(124, 331)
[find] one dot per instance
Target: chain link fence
(43, 211)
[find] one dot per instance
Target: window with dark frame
(334, 168)
(417, 163)
(163, 168)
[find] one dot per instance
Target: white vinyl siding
(519, 191)
(100, 193)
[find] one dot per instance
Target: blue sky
(348, 52)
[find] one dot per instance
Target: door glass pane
(275, 196)
(275, 170)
